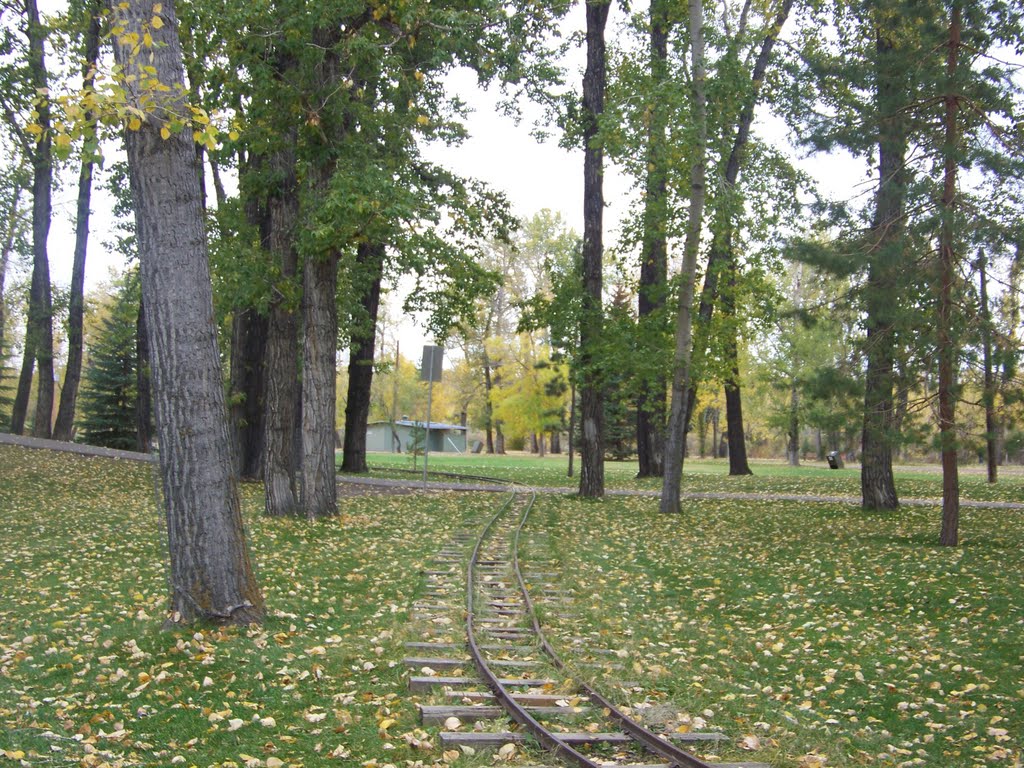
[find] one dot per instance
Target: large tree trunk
(591, 325)
(281, 390)
(320, 324)
(210, 573)
(249, 331)
(948, 352)
(63, 429)
(42, 186)
(878, 487)
(650, 412)
(675, 441)
(39, 329)
(362, 351)
(735, 431)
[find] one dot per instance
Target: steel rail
(645, 736)
(516, 711)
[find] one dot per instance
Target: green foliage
(809, 351)
(350, 114)
(533, 395)
(884, 81)
(107, 406)
(396, 391)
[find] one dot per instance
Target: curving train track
(522, 693)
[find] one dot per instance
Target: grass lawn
(709, 475)
(817, 633)
(826, 635)
(87, 677)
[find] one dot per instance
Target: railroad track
(496, 682)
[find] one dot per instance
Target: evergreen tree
(110, 393)
(7, 376)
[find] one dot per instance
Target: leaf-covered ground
(816, 633)
(819, 634)
(88, 678)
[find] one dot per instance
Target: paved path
(110, 453)
(79, 448)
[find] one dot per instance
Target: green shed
(399, 436)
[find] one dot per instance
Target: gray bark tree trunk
(63, 428)
(280, 460)
(320, 323)
(249, 330)
(948, 352)
(650, 413)
(210, 573)
(675, 441)
(878, 487)
(39, 330)
(592, 322)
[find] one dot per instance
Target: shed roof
(434, 425)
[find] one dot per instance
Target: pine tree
(8, 376)
(110, 392)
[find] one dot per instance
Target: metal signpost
(433, 359)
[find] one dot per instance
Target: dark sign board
(433, 360)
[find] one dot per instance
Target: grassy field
(823, 634)
(707, 475)
(818, 634)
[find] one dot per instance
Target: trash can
(835, 460)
